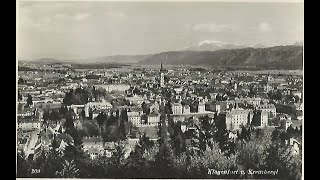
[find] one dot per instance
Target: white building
(135, 118)
(28, 124)
(201, 107)
(269, 108)
(186, 109)
(176, 108)
(136, 100)
(235, 118)
(153, 119)
(115, 87)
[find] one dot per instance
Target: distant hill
(299, 43)
(48, 60)
(121, 59)
(278, 56)
(283, 57)
(118, 59)
(259, 46)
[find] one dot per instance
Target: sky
(77, 30)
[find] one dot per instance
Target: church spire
(161, 68)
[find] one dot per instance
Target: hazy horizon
(80, 30)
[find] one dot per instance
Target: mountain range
(212, 53)
(209, 45)
(278, 56)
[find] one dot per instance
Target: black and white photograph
(160, 89)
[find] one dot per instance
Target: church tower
(161, 76)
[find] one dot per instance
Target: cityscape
(211, 110)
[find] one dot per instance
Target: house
(103, 104)
(178, 90)
(25, 112)
(153, 119)
(268, 108)
(177, 108)
(267, 88)
(28, 124)
(155, 107)
(95, 142)
(96, 113)
(178, 118)
(248, 100)
(186, 109)
(285, 123)
(212, 106)
(298, 106)
(234, 118)
(297, 93)
(94, 152)
(109, 148)
(135, 100)
(260, 118)
(135, 118)
(295, 146)
(213, 96)
(201, 107)
(114, 87)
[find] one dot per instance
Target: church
(161, 76)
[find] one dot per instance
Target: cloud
(210, 27)
(81, 16)
(264, 27)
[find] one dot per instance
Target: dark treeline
(172, 156)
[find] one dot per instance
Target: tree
(197, 166)
(69, 120)
(21, 81)
(29, 100)
(137, 164)
(68, 99)
(296, 131)
(144, 107)
(275, 135)
(63, 111)
(178, 139)
(83, 114)
(117, 160)
(19, 96)
(300, 129)
(91, 128)
(122, 130)
(205, 132)
(164, 159)
(69, 170)
(20, 107)
(290, 131)
(226, 146)
(163, 130)
(111, 121)
(279, 157)
(23, 166)
(54, 115)
(101, 118)
(284, 136)
(48, 163)
(111, 134)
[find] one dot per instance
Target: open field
(151, 132)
